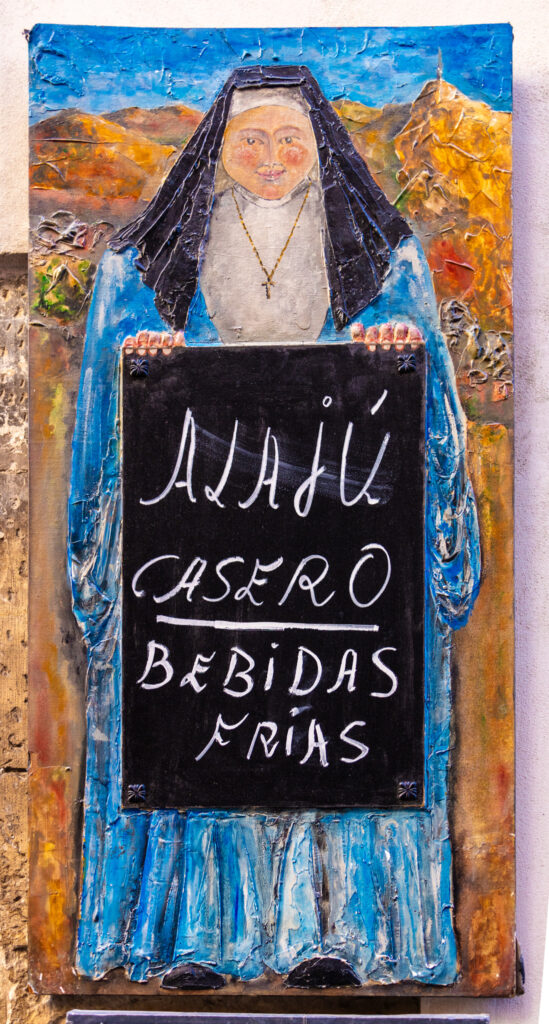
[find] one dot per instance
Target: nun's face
(269, 150)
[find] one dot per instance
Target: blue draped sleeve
(452, 544)
(121, 305)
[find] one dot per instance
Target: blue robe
(241, 891)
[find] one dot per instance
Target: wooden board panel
(408, 900)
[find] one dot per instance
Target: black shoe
(322, 972)
(192, 976)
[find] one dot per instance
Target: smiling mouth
(272, 174)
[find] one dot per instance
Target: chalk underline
(323, 627)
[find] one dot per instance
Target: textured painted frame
(467, 242)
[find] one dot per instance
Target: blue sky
(103, 69)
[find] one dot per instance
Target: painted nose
(270, 163)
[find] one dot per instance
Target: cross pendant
(267, 285)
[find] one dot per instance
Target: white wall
(531, 77)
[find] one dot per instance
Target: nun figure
(269, 229)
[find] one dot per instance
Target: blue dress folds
(236, 890)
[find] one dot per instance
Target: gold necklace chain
(269, 283)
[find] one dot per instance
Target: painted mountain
(445, 160)
(123, 155)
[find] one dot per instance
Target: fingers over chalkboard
(387, 335)
(152, 342)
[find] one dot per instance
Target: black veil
(363, 226)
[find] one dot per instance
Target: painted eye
(251, 142)
(288, 139)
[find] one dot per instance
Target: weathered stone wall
(16, 1005)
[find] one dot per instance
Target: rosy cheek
(294, 157)
(246, 156)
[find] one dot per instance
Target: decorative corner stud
(137, 793)
(406, 362)
(407, 790)
(139, 367)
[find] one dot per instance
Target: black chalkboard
(273, 577)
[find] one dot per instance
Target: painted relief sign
(272, 563)
(271, 574)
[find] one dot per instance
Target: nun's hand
(387, 335)
(148, 343)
